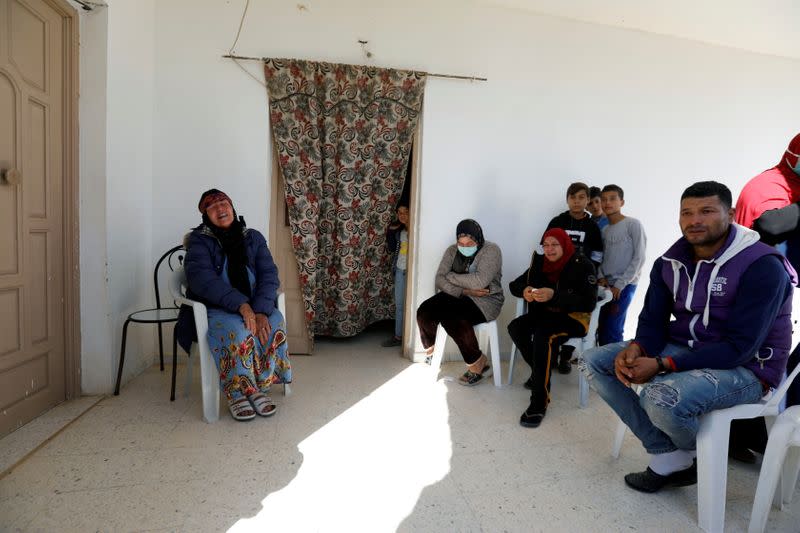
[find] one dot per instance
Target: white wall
(116, 184)
(130, 222)
(96, 333)
(564, 100)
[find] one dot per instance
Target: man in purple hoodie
(715, 331)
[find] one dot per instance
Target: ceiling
(764, 26)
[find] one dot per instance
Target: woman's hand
(542, 295)
(263, 329)
(249, 317)
(475, 292)
(527, 293)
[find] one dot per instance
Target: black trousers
(752, 433)
(793, 394)
(549, 331)
(457, 316)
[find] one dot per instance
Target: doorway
(38, 206)
(280, 242)
(280, 237)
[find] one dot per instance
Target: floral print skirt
(245, 365)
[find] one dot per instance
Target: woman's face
(466, 241)
(220, 214)
(552, 249)
(402, 215)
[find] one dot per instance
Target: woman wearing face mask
(468, 279)
(230, 269)
(561, 290)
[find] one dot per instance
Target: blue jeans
(664, 416)
(399, 301)
(612, 317)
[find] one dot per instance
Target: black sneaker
(649, 481)
(564, 356)
(743, 455)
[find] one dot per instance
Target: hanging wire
(89, 6)
(236, 58)
(233, 46)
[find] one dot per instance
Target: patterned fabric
(212, 198)
(245, 365)
(343, 135)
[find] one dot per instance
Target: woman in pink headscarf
(560, 287)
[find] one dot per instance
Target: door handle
(12, 176)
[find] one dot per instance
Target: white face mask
(467, 251)
(796, 166)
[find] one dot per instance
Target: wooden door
(32, 270)
(280, 245)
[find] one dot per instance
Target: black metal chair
(158, 315)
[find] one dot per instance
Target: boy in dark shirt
(585, 235)
(595, 208)
(579, 225)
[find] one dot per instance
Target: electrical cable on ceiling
(236, 40)
(236, 58)
(86, 5)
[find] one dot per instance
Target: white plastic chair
(482, 331)
(779, 468)
(581, 344)
(209, 375)
(712, 452)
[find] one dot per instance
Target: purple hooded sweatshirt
(703, 295)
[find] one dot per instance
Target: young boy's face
(402, 215)
(611, 202)
(595, 208)
(577, 204)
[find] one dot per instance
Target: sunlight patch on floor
(365, 468)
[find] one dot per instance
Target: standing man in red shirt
(770, 204)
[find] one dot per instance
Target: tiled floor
(366, 442)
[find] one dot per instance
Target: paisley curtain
(343, 134)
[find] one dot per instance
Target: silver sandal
(241, 410)
(262, 404)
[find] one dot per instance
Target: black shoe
(531, 418)
(564, 357)
(393, 341)
(742, 455)
(528, 384)
(470, 379)
(649, 481)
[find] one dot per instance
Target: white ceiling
(765, 26)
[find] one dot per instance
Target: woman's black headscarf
(232, 240)
(473, 230)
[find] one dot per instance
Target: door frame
(410, 311)
(70, 200)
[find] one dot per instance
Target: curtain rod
(431, 74)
